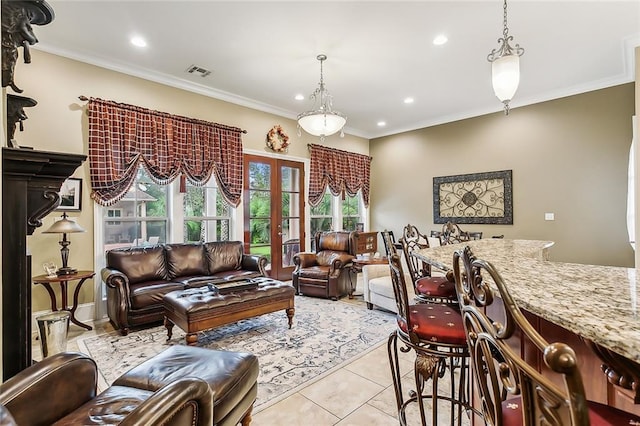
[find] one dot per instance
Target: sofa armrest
(339, 262)
(305, 260)
(115, 279)
(68, 380)
(254, 262)
(188, 398)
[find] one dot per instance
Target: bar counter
(599, 303)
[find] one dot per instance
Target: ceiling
(263, 53)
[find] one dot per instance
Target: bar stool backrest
(500, 373)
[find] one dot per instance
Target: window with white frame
(351, 209)
(207, 216)
(141, 217)
(334, 213)
(115, 214)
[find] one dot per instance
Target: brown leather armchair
(326, 273)
(61, 389)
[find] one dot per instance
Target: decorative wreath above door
(277, 139)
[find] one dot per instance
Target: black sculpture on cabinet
(16, 114)
(17, 18)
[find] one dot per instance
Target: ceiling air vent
(196, 70)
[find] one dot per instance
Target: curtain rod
(84, 99)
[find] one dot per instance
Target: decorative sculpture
(17, 18)
(16, 114)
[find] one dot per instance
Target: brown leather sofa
(61, 389)
(137, 278)
(327, 272)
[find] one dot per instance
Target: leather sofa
(137, 278)
(181, 385)
(327, 272)
(61, 389)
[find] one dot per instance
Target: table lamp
(64, 226)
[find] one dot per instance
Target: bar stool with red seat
(512, 391)
(428, 288)
(435, 333)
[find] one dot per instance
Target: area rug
(325, 335)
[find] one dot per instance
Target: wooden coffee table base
(196, 310)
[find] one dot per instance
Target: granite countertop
(599, 303)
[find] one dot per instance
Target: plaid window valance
(123, 137)
(341, 171)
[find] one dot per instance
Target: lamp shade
(64, 226)
(321, 123)
(505, 76)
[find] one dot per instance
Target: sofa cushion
(151, 292)
(139, 264)
(382, 286)
(186, 260)
(223, 255)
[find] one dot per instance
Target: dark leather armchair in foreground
(61, 389)
(326, 273)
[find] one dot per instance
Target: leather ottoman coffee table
(204, 308)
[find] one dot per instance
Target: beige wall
(568, 156)
(58, 123)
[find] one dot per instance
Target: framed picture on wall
(485, 198)
(71, 195)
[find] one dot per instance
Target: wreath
(277, 139)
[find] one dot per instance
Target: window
(113, 213)
(142, 215)
(207, 216)
(334, 210)
(321, 217)
(351, 212)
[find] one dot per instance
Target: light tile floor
(360, 393)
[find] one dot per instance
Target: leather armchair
(327, 272)
(61, 389)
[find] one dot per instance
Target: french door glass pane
(259, 176)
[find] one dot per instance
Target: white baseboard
(85, 313)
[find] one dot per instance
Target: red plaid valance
(122, 137)
(342, 171)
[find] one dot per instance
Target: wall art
(484, 198)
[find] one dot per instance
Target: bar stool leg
(425, 368)
(392, 352)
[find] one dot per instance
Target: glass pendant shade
(320, 123)
(505, 76)
(321, 120)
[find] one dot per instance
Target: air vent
(202, 72)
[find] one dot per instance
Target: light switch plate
(549, 216)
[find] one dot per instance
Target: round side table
(63, 280)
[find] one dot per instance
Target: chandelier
(505, 66)
(322, 120)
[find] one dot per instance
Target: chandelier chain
(505, 31)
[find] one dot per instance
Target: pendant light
(505, 65)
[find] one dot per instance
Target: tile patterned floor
(360, 393)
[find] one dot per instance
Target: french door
(274, 211)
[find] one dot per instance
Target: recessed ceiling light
(299, 97)
(138, 41)
(440, 40)
(408, 100)
(382, 123)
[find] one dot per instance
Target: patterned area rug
(325, 335)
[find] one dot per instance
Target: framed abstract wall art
(483, 198)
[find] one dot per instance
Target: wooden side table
(63, 280)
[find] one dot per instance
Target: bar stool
(427, 287)
(436, 334)
(513, 392)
